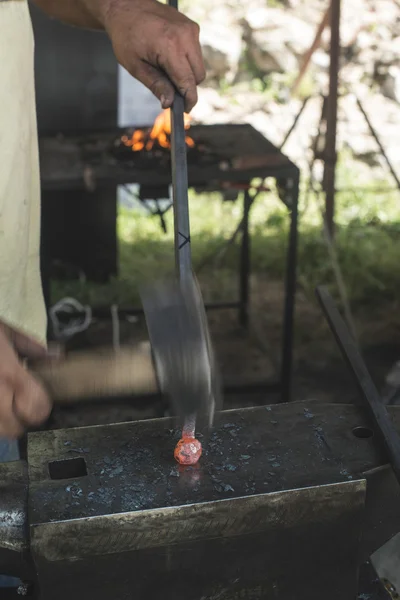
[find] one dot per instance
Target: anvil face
(275, 505)
(130, 467)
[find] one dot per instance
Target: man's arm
(73, 12)
(154, 42)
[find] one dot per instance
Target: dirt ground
(254, 355)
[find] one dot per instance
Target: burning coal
(158, 136)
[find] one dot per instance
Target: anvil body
(285, 503)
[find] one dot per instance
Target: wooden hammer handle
(84, 375)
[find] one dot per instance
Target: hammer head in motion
(182, 348)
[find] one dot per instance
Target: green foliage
(223, 85)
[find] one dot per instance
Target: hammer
(179, 361)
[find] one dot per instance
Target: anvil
(286, 503)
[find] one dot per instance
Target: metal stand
(267, 161)
(283, 384)
(292, 198)
(245, 262)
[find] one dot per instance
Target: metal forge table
(237, 154)
(286, 503)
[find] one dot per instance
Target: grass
(367, 243)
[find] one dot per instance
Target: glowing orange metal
(188, 450)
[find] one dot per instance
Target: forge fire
(157, 136)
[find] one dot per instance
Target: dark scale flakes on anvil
(141, 474)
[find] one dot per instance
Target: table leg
(245, 262)
(292, 198)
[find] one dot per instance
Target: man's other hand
(157, 45)
(23, 401)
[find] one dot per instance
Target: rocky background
(254, 51)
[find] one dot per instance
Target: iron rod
(372, 401)
(180, 196)
(295, 121)
(183, 255)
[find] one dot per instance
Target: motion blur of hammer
(180, 362)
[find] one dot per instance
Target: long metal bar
(183, 255)
(295, 121)
(372, 401)
(378, 141)
(330, 156)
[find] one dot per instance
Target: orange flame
(160, 133)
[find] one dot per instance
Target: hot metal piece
(188, 450)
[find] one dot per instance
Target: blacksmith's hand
(157, 45)
(23, 401)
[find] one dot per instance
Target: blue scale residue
(8, 453)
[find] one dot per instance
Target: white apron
(21, 298)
